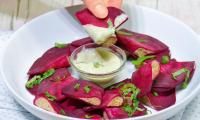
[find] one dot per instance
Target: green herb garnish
(155, 93)
(110, 24)
(124, 33)
(60, 45)
(140, 60)
(37, 79)
(62, 112)
(76, 86)
(49, 96)
(179, 72)
(128, 109)
(165, 59)
(87, 89)
(141, 40)
(88, 116)
(97, 64)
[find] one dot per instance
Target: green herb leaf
(87, 89)
(88, 116)
(60, 45)
(110, 24)
(179, 72)
(155, 93)
(97, 64)
(165, 59)
(76, 86)
(62, 112)
(33, 81)
(141, 40)
(49, 96)
(124, 33)
(128, 109)
(140, 60)
(48, 73)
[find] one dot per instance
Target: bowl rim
(98, 74)
(24, 102)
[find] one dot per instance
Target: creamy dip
(97, 61)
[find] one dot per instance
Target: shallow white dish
(30, 41)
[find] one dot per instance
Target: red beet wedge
(101, 29)
(160, 100)
(173, 74)
(144, 76)
(139, 44)
(85, 91)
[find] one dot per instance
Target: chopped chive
(88, 116)
(62, 112)
(76, 86)
(141, 40)
(87, 89)
(60, 45)
(155, 93)
(124, 33)
(179, 72)
(97, 64)
(110, 24)
(165, 59)
(140, 60)
(49, 96)
(37, 79)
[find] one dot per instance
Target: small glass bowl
(98, 78)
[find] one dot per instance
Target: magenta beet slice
(101, 29)
(53, 58)
(165, 80)
(81, 42)
(144, 76)
(44, 103)
(160, 100)
(139, 44)
(86, 17)
(73, 108)
(120, 113)
(54, 84)
(85, 91)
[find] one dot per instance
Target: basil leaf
(60, 45)
(165, 59)
(49, 96)
(181, 71)
(140, 60)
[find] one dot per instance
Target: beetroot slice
(101, 29)
(160, 100)
(44, 103)
(85, 91)
(54, 84)
(86, 17)
(139, 44)
(73, 108)
(165, 80)
(120, 113)
(53, 58)
(144, 76)
(81, 42)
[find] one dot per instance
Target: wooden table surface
(14, 13)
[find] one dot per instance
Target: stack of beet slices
(153, 84)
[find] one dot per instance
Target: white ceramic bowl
(30, 41)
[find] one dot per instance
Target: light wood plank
(185, 10)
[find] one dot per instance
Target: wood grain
(14, 13)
